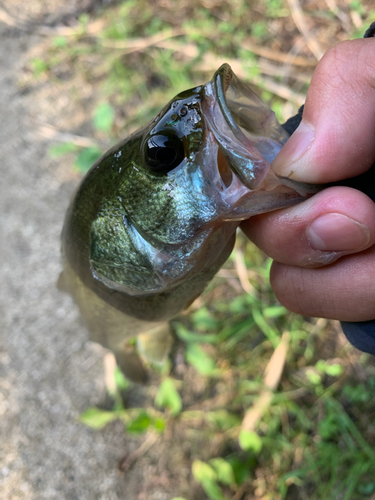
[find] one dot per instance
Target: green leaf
(104, 117)
(329, 427)
(203, 319)
(366, 488)
(213, 490)
(259, 29)
(59, 41)
(96, 418)
(140, 424)
(358, 393)
(203, 472)
(84, 20)
(334, 370)
(271, 333)
(223, 470)
(186, 336)
(38, 66)
(159, 424)
(86, 158)
(313, 377)
(222, 419)
(62, 149)
(168, 397)
(120, 380)
(274, 311)
(357, 6)
(201, 361)
(241, 469)
(250, 441)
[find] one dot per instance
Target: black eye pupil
(166, 156)
(164, 153)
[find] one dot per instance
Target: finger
(335, 139)
(344, 290)
(335, 222)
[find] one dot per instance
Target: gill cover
(184, 183)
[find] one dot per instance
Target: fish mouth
(244, 127)
(248, 137)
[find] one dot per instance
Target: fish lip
(253, 167)
(243, 129)
(224, 97)
(222, 80)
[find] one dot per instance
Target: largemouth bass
(155, 217)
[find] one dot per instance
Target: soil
(49, 373)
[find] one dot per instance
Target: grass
(315, 437)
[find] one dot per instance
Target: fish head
(185, 181)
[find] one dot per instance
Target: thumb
(336, 137)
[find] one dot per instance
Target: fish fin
(155, 344)
(62, 284)
(192, 300)
(131, 365)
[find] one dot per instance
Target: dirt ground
(48, 372)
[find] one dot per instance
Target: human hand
(323, 248)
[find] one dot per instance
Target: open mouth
(248, 135)
(246, 130)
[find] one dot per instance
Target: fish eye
(164, 153)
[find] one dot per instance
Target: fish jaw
(242, 137)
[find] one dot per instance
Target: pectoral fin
(155, 344)
(131, 365)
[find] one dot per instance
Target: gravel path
(48, 372)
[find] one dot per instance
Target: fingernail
(299, 142)
(337, 232)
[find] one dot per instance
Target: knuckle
(348, 65)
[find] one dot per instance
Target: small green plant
(210, 475)
(104, 117)
(249, 440)
(103, 120)
(39, 66)
(357, 6)
(168, 397)
(87, 157)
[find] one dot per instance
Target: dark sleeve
(360, 334)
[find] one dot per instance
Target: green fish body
(155, 218)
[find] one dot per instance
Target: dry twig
(92, 28)
(138, 44)
(10, 21)
(110, 364)
(300, 22)
(239, 262)
(272, 376)
(278, 56)
(49, 132)
(211, 62)
(127, 462)
(340, 14)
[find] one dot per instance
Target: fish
(156, 216)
